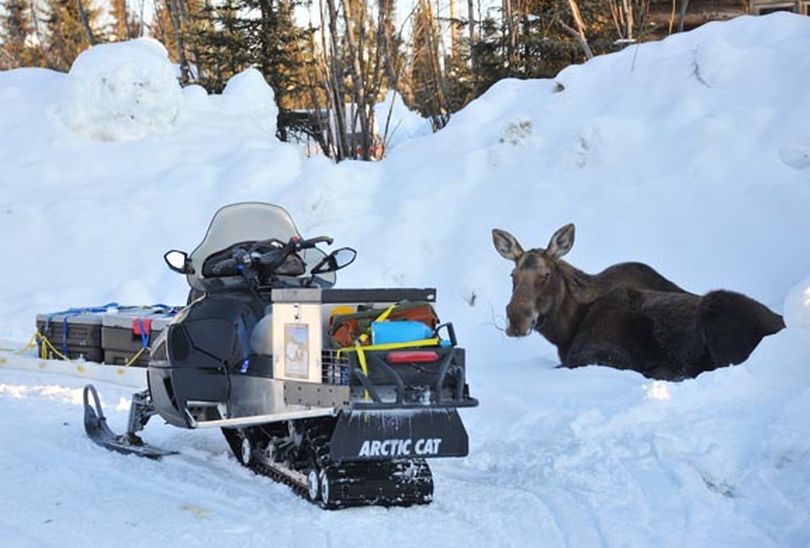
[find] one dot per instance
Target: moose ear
(561, 242)
(506, 244)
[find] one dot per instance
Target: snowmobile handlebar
(242, 260)
(231, 266)
(312, 242)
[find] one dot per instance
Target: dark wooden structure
(666, 16)
(764, 7)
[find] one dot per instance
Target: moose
(628, 316)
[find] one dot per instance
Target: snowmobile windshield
(242, 222)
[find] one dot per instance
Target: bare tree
(682, 14)
(579, 32)
(85, 23)
(120, 16)
(174, 11)
(471, 28)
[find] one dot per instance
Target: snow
(121, 91)
(796, 153)
(688, 154)
(247, 94)
(402, 124)
(797, 309)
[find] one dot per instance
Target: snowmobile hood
(240, 222)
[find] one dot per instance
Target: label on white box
(297, 339)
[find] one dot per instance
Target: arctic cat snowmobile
(342, 424)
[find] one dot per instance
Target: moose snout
(521, 320)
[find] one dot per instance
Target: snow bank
(130, 90)
(247, 94)
(124, 90)
(402, 124)
(796, 153)
(699, 173)
(797, 310)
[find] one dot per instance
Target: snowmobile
(343, 425)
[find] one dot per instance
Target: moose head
(538, 287)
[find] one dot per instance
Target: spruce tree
(529, 39)
(67, 37)
(232, 35)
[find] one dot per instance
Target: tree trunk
(627, 6)
(579, 32)
(386, 40)
(336, 78)
(471, 25)
(682, 15)
(86, 23)
(120, 16)
(358, 79)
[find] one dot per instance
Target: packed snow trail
(590, 457)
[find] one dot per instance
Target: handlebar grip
(311, 242)
(227, 267)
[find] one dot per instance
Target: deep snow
(689, 154)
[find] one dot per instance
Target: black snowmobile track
(399, 482)
(351, 484)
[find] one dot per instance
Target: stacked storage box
(73, 333)
(124, 334)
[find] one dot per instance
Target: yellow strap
(381, 318)
(361, 357)
(32, 342)
(43, 348)
(361, 352)
(391, 346)
(48, 345)
(134, 358)
(384, 316)
(399, 345)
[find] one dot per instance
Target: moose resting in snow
(627, 316)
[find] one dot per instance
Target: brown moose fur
(628, 316)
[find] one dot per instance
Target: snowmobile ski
(95, 425)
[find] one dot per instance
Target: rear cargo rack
(381, 295)
(386, 386)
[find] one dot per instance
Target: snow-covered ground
(692, 154)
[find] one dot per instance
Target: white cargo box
(297, 334)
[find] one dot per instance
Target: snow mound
(796, 153)
(124, 90)
(248, 94)
(403, 124)
(797, 310)
(715, 61)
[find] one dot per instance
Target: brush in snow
(342, 394)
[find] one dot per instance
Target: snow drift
(121, 91)
(689, 154)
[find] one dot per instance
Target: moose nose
(521, 320)
(518, 312)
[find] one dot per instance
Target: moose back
(627, 316)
